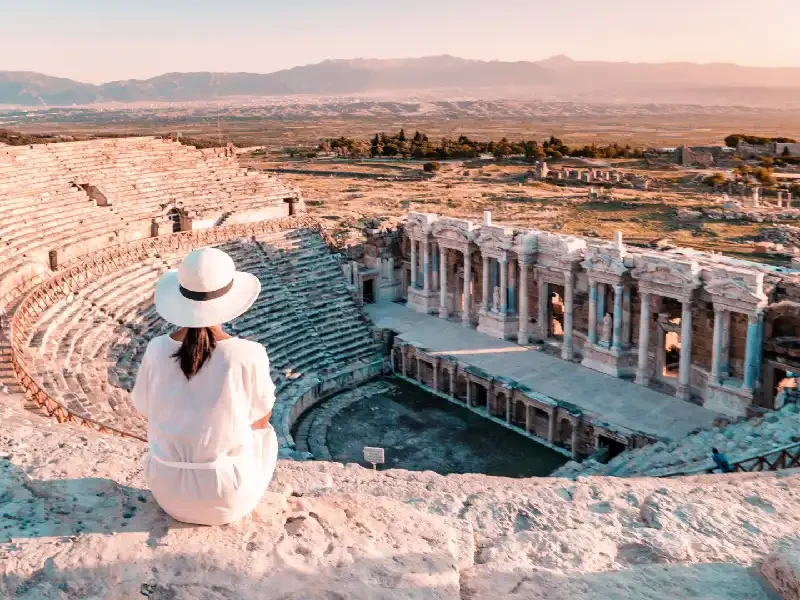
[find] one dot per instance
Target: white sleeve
(140, 395)
(263, 390)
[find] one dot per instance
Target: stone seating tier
(140, 177)
(86, 349)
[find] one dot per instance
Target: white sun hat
(205, 290)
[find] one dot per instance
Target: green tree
(733, 140)
(715, 179)
(765, 176)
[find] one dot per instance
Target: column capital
(504, 257)
(755, 317)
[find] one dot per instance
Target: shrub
(431, 167)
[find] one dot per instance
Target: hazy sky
(102, 40)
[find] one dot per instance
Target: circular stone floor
(421, 432)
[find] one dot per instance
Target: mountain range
(555, 79)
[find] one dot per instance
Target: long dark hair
(196, 349)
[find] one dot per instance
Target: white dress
(206, 465)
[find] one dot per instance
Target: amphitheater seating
(86, 349)
(45, 203)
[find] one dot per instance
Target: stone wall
(79, 522)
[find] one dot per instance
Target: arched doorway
(565, 430)
(174, 215)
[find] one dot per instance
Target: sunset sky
(102, 40)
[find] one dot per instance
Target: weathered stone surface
(782, 570)
(77, 522)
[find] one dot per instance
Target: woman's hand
(263, 422)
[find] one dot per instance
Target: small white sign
(373, 455)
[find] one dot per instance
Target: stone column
(627, 313)
(434, 267)
(725, 350)
(567, 352)
(426, 265)
(522, 336)
(544, 309)
(617, 336)
(512, 287)
(419, 370)
(716, 348)
(592, 312)
(508, 407)
(504, 283)
(413, 263)
(685, 366)
(642, 372)
(469, 393)
(403, 361)
(465, 316)
(528, 409)
(485, 285)
(752, 361)
(601, 301)
(442, 282)
(435, 367)
(551, 426)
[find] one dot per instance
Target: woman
(207, 396)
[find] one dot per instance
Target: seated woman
(207, 396)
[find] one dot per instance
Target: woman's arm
(263, 422)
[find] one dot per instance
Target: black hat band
(203, 296)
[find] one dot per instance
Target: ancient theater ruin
(623, 361)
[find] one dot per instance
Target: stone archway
(498, 405)
(565, 430)
(176, 216)
(446, 382)
(518, 415)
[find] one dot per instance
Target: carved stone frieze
(740, 290)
